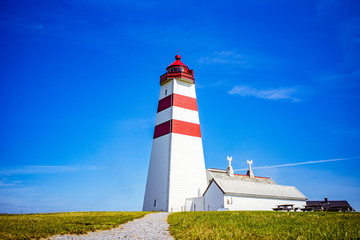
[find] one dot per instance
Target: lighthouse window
(165, 92)
(154, 203)
(176, 69)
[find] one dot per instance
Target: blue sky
(277, 81)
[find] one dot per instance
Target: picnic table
(313, 208)
(285, 207)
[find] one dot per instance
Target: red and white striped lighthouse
(177, 166)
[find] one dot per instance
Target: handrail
(185, 75)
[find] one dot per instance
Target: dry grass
(36, 226)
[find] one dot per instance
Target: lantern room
(179, 71)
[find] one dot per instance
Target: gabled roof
(254, 189)
(243, 185)
(329, 204)
(222, 174)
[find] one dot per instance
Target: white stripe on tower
(182, 114)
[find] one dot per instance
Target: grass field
(264, 225)
(29, 226)
(192, 225)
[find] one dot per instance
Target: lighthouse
(177, 167)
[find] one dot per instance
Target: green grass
(264, 225)
(36, 226)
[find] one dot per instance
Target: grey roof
(329, 204)
(222, 174)
(253, 187)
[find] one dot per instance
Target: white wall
(166, 88)
(163, 116)
(157, 184)
(187, 170)
(184, 88)
(185, 115)
(178, 114)
(158, 175)
(214, 198)
(194, 204)
(253, 203)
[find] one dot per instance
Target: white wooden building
(230, 191)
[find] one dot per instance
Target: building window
(155, 203)
(165, 92)
(228, 202)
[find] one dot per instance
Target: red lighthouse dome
(177, 70)
(177, 65)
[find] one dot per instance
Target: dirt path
(152, 226)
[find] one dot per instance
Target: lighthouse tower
(177, 166)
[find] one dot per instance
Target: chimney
(326, 200)
(250, 172)
(229, 169)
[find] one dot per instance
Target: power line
(301, 163)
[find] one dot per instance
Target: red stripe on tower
(164, 103)
(184, 102)
(177, 100)
(162, 129)
(177, 126)
(185, 128)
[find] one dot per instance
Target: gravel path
(152, 226)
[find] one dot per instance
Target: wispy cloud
(115, 3)
(224, 57)
(272, 94)
(5, 183)
(301, 163)
(45, 169)
(19, 26)
(249, 59)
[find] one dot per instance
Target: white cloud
(115, 3)
(5, 183)
(247, 58)
(272, 94)
(225, 57)
(18, 25)
(45, 169)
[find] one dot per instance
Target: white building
(177, 166)
(244, 192)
